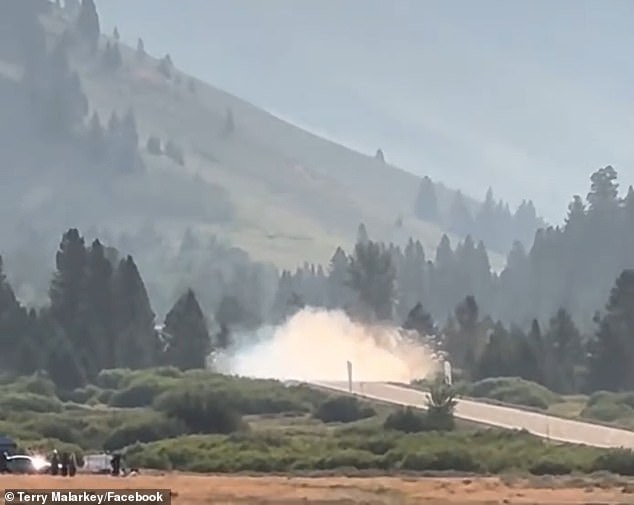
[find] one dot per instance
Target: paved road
(554, 428)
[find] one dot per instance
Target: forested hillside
(95, 134)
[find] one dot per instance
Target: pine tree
(611, 363)
(372, 276)
(140, 49)
(136, 344)
(189, 341)
(88, 24)
(426, 204)
(115, 34)
(362, 235)
(98, 345)
(460, 219)
(564, 342)
(380, 156)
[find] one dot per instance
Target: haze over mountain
(527, 97)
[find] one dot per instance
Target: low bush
(406, 420)
(200, 409)
(343, 409)
(513, 390)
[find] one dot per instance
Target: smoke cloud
(315, 344)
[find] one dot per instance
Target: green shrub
(201, 409)
(141, 392)
(113, 379)
(456, 459)
(513, 390)
(550, 467)
(29, 402)
(619, 461)
(406, 420)
(148, 429)
(607, 412)
(343, 409)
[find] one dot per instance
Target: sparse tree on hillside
(229, 125)
(115, 34)
(166, 66)
(426, 205)
(88, 24)
(460, 219)
(189, 342)
(380, 156)
(112, 56)
(140, 49)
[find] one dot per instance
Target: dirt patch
(240, 490)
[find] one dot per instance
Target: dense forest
(99, 313)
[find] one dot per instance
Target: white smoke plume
(315, 344)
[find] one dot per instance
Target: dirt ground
(242, 490)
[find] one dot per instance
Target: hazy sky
(528, 97)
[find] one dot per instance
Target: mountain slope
(294, 196)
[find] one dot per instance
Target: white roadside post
(349, 376)
(447, 370)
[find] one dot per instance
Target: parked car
(24, 464)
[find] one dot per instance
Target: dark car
(27, 464)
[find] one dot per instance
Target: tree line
(98, 317)
(491, 221)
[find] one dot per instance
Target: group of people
(64, 464)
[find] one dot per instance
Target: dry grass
(234, 490)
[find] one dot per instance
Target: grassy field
(244, 490)
(197, 421)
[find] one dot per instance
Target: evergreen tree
(564, 342)
(88, 24)
(362, 235)
(137, 343)
(460, 219)
(115, 34)
(189, 341)
(426, 205)
(380, 156)
(372, 276)
(603, 190)
(612, 351)
(140, 49)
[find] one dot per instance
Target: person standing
(72, 465)
(54, 463)
(4, 457)
(64, 461)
